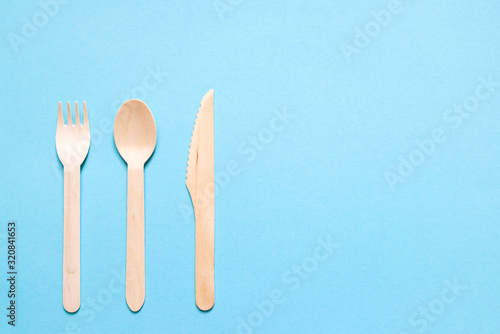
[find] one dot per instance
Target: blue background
(323, 174)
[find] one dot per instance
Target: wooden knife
(201, 186)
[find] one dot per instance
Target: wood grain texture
(201, 185)
(72, 143)
(135, 139)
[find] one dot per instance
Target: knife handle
(136, 257)
(71, 255)
(205, 251)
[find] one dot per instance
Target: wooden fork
(73, 143)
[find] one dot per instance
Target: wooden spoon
(135, 139)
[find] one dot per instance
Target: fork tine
(70, 120)
(85, 115)
(60, 117)
(77, 114)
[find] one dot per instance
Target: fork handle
(136, 258)
(71, 257)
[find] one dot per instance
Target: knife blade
(201, 185)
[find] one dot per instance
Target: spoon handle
(71, 256)
(136, 265)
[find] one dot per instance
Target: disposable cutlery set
(135, 138)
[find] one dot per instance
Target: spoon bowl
(135, 132)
